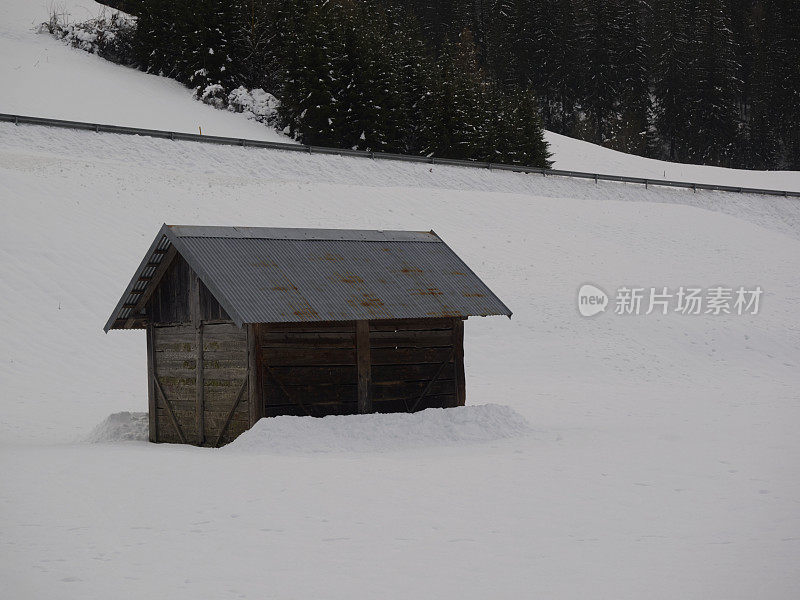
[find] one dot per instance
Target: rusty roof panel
(268, 275)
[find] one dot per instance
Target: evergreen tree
(554, 62)
(527, 145)
(633, 134)
(786, 84)
(599, 87)
(713, 134)
(255, 65)
(358, 77)
(761, 124)
(506, 36)
(208, 57)
(397, 72)
(159, 36)
(643, 76)
(411, 73)
(438, 20)
(310, 91)
(456, 120)
(672, 77)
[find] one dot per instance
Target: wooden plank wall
(308, 368)
(312, 368)
(224, 370)
(405, 356)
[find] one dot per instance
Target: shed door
(308, 369)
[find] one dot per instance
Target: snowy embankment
(43, 77)
(34, 67)
(574, 155)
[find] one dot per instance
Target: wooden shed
(246, 322)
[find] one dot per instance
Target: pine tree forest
(701, 81)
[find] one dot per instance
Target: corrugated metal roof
(268, 275)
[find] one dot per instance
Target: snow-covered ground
(663, 454)
(574, 155)
(661, 458)
(35, 67)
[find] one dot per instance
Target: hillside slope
(44, 78)
(662, 458)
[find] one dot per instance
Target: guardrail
(228, 141)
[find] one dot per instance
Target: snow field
(661, 458)
(660, 461)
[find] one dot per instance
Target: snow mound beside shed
(383, 432)
(121, 427)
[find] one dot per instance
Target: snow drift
(382, 432)
(347, 433)
(121, 427)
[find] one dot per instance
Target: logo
(591, 300)
(717, 300)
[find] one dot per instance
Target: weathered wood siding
(174, 364)
(224, 372)
(312, 368)
(170, 302)
(406, 356)
(224, 376)
(308, 368)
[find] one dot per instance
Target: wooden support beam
(195, 310)
(255, 402)
(231, 412)
(199, 388)
(458, 362)
(151, 386)
(364, 367)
